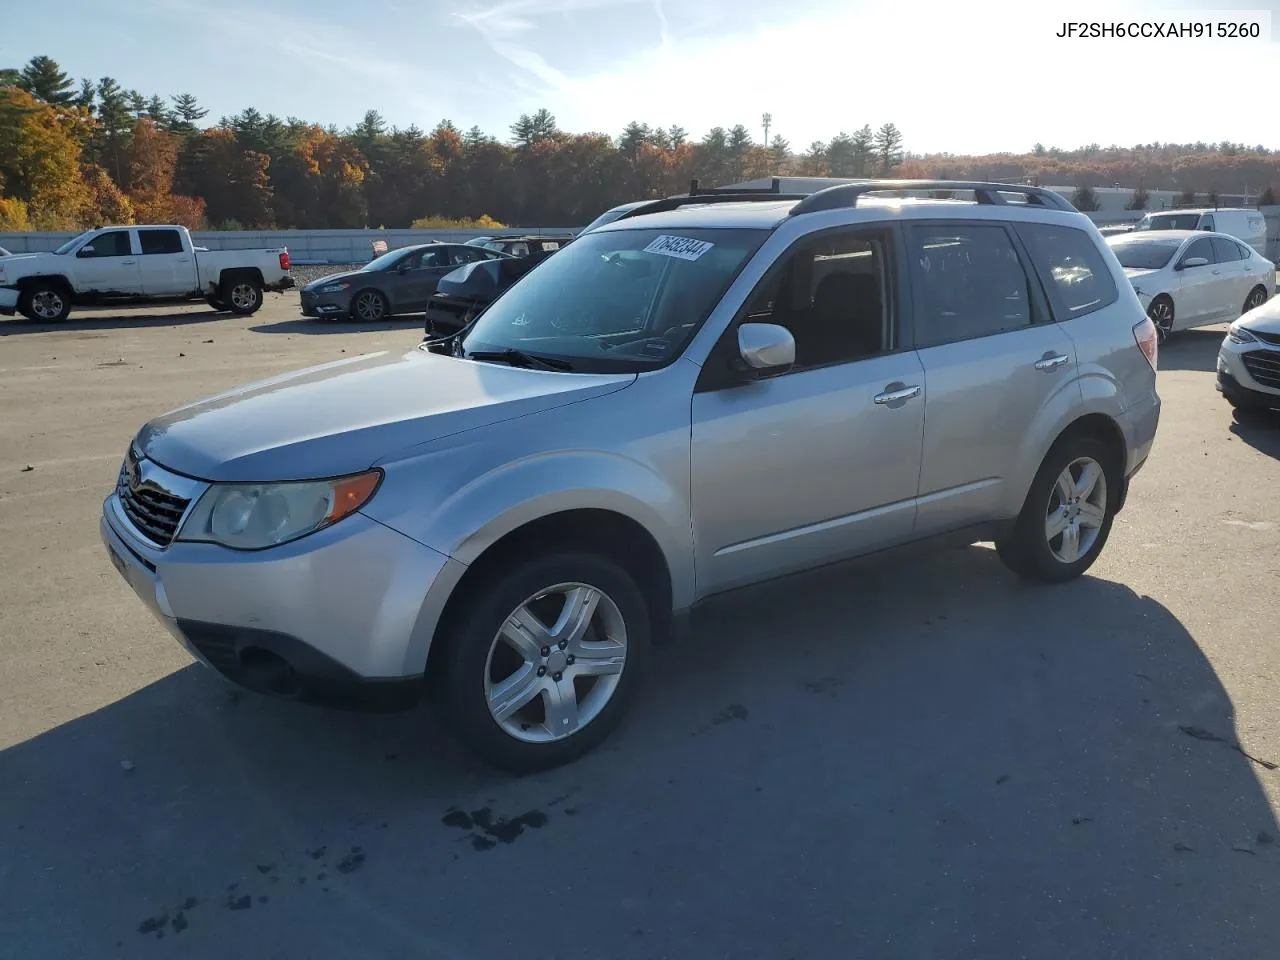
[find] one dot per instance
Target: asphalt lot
(922, 759)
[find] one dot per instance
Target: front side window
(1074, 267)
(831, 294)
(160, 241)
(114, 243)
(388, 261)
(968, 283)
(618, 300)
(1200, 248)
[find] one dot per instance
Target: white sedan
(1249, 359)
(1190, 278)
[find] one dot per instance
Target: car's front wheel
(1068, 512)
(542, 658)
(369, 306)
(45, 302)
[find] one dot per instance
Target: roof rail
(847, 194)
(702, 195)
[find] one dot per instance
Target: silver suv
(709, 392)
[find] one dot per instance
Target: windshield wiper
(518, 358)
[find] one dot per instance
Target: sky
(978, 77)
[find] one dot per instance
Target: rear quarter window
(1071, 267)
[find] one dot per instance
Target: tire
(1161, 313)
(478, 663)
(1029, 550)
(44, 302)
(215, 303)
(242, 295)
(369, 306)
(1257, 297)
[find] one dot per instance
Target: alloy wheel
(1256, 299)
(555, 663)
(1161, 314)
(369, 307)
(47, 304)
(244, 296)
(1076, 510)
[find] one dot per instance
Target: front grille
(1263, 366)
(154, 511)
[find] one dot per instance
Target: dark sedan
(461, 295)
(400, 281)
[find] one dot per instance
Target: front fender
(476, 516)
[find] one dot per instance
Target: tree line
(76, 153)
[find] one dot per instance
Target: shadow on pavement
(17, 326)
(1192, 350)
(311, 326)
(1258, 428)
(919, 759)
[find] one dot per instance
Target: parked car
(537, 248)
(612, 214)
(1115, 228)
(1249, 359)
(507, 521)
(1249, 226)
(143, 264)
(479, 241)
(1186, 278)
(399, 281)
(461, 295)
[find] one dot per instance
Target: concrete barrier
(356, 246)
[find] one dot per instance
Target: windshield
(67, 247)
(387, 260)
(1145, 254)
(622, 300)
(1169, 221)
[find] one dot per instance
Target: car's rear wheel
(1161, 313)
(45, 302)
(243, 296)
(1257, 297)
(542, 659)
(369, 306)
(1068, 512)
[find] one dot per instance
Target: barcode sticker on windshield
(685, 248)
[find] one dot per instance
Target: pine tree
(863, 146)
(1084, 198)
(43, 78)
(186, 113)
(158, 111)
(1267, 198)
(1139, 200)
(88, 93)
(114, 124)
(888, 148)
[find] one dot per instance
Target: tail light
(284, 260)
(1148, 340)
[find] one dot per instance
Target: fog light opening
(269, 672)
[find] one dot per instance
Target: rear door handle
(900, 393)
(1052, 362)
(184, 259)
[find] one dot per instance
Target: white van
(1240, 222)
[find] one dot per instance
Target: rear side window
(1071, 267)
(160, 241)
(1226, 251)
(968, 283)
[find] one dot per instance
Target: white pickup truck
(153, 263)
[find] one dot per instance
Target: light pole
(767, 120)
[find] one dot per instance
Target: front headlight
(334, 287)
(1240, 335)
(253, 516)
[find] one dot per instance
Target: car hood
(1135, 274)
(333, 278)
(346, 416)
(28, 262)
(1263, 319)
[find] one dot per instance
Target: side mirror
(85, 251)
(1192, 262)
(766, 347)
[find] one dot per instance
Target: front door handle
(898, 393)
(1051, 362)
(127, 263)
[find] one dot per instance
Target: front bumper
(8, 300)
(1249, 373)
(325, 305)
(342, 617)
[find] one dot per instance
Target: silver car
(677, 404)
